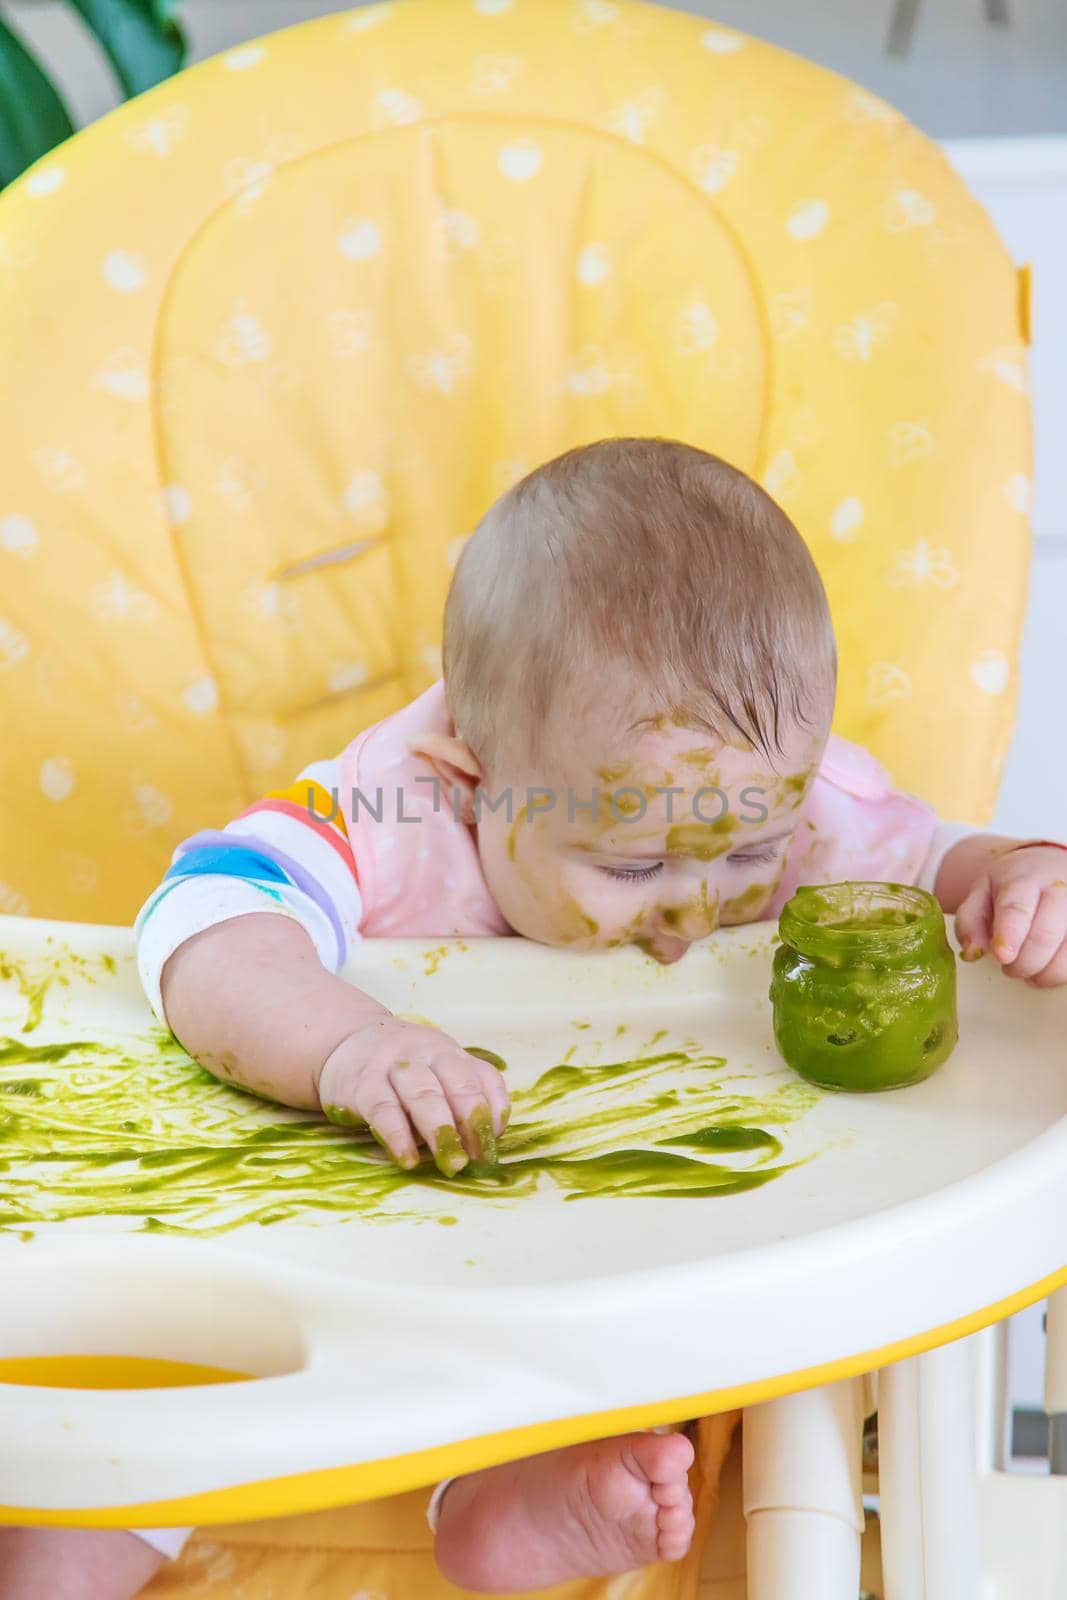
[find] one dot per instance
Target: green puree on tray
(127, 1127)
(130, 1128)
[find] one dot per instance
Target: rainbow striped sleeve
(287, 853)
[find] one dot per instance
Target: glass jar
(864, 986)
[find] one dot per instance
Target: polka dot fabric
(286, 325)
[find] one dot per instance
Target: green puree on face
(864, 986)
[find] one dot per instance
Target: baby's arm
(1009, 897)
(251, 1000)
(239, 949)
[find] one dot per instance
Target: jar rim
(828, 917)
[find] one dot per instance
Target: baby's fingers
(490, 1069)
(496, 1093)
(375, 1102)
(1046, 934)
(1055, 973)
(465, 1083)
(420, 1092)
(1014, 906)
(974, 920)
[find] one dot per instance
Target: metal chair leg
(902, 27)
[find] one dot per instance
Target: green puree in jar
(864, 986)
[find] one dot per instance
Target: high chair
(277, 333)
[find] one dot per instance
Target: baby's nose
(665, 948)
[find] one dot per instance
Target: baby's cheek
(594, 907)
(747, 904)
(514, 879)
(551, 902)
(583, 906)
(745, 907)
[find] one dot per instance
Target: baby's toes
(675, 1492)
(662, 1458)
(674, 1529)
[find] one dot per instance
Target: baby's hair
(640, 567)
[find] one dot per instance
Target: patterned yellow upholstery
(277, 332)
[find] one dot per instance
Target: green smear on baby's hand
(480, 1131)
(343, 1117)
(448, 1152)
(491, 1056)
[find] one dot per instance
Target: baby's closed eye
(756, 854)
(634, 874)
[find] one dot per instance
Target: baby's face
(696, 837)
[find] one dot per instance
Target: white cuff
(946, 834)
(170, 1542)
(178, 909)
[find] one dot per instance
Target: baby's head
(637, 619)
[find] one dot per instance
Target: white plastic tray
(393, 1319)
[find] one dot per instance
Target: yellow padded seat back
(275, 335)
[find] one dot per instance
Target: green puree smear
(135, 1129)
(130, 1128)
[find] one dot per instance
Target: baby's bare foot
(587, 1511)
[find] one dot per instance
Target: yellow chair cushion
(279, 331)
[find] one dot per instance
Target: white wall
(962, 78)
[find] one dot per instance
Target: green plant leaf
(33, 118)
(143, 42)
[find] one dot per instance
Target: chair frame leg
(1056, 1381)
(928, 1479)
(802, 1491)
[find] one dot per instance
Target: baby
(631, 745)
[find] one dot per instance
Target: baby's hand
(1018, 909)
(404, 1082)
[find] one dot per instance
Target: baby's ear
(455, 763)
